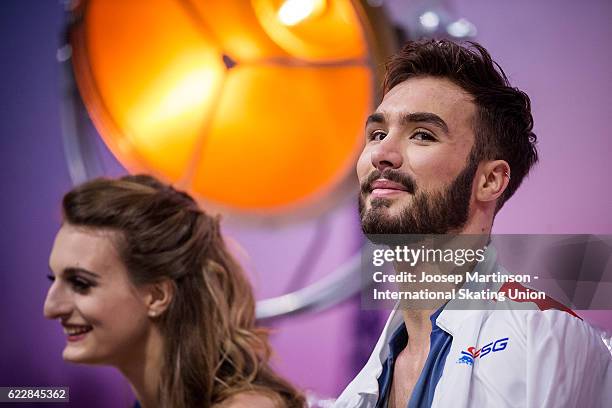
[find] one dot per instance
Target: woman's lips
(77, 332)
(78, 337)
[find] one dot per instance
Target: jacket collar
(457, 311)
(449, 320)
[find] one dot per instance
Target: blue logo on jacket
(468, 357)
(465, 359)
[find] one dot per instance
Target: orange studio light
(255, 107)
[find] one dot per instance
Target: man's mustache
(392, 175)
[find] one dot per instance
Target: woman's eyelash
(80, 284)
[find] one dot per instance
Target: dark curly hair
(503, 122)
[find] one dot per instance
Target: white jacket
(505, 358)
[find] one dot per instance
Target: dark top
(425, 387)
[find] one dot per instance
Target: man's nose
(387, 154)
(57, 303)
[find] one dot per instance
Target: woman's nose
(57, 303)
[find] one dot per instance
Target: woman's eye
(80, 284)
(423, 136)
(51, 277)
(377, 135)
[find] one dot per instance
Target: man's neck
(418, 325)
(417, 313)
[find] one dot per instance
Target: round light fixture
(254, 107)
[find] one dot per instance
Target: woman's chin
(79, 356)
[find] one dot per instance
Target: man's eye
(424, 137)
(377, 135)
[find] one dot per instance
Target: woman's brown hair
(213, 349)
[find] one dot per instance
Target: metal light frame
(83, 162)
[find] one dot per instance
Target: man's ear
(158, 297)
(493, 180)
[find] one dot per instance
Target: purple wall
(556, 51)
(559, 53)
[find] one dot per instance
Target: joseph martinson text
(404, 279)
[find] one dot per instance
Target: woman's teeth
(75, 331)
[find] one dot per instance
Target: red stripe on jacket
(543, 304)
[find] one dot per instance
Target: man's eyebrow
(426, 117)
(375, 118)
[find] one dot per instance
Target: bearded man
(447, 147)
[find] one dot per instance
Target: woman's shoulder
(249, 399)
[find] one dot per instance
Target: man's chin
(382, 215)
(380, 202)
(381, 220)
(390, 209)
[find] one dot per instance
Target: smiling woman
(142, 281)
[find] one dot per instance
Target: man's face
(414, 172)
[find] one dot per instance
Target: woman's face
(103, 314)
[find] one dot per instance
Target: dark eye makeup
(78, 283)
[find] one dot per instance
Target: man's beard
(429, 213)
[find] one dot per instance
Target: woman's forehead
(87, 248)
